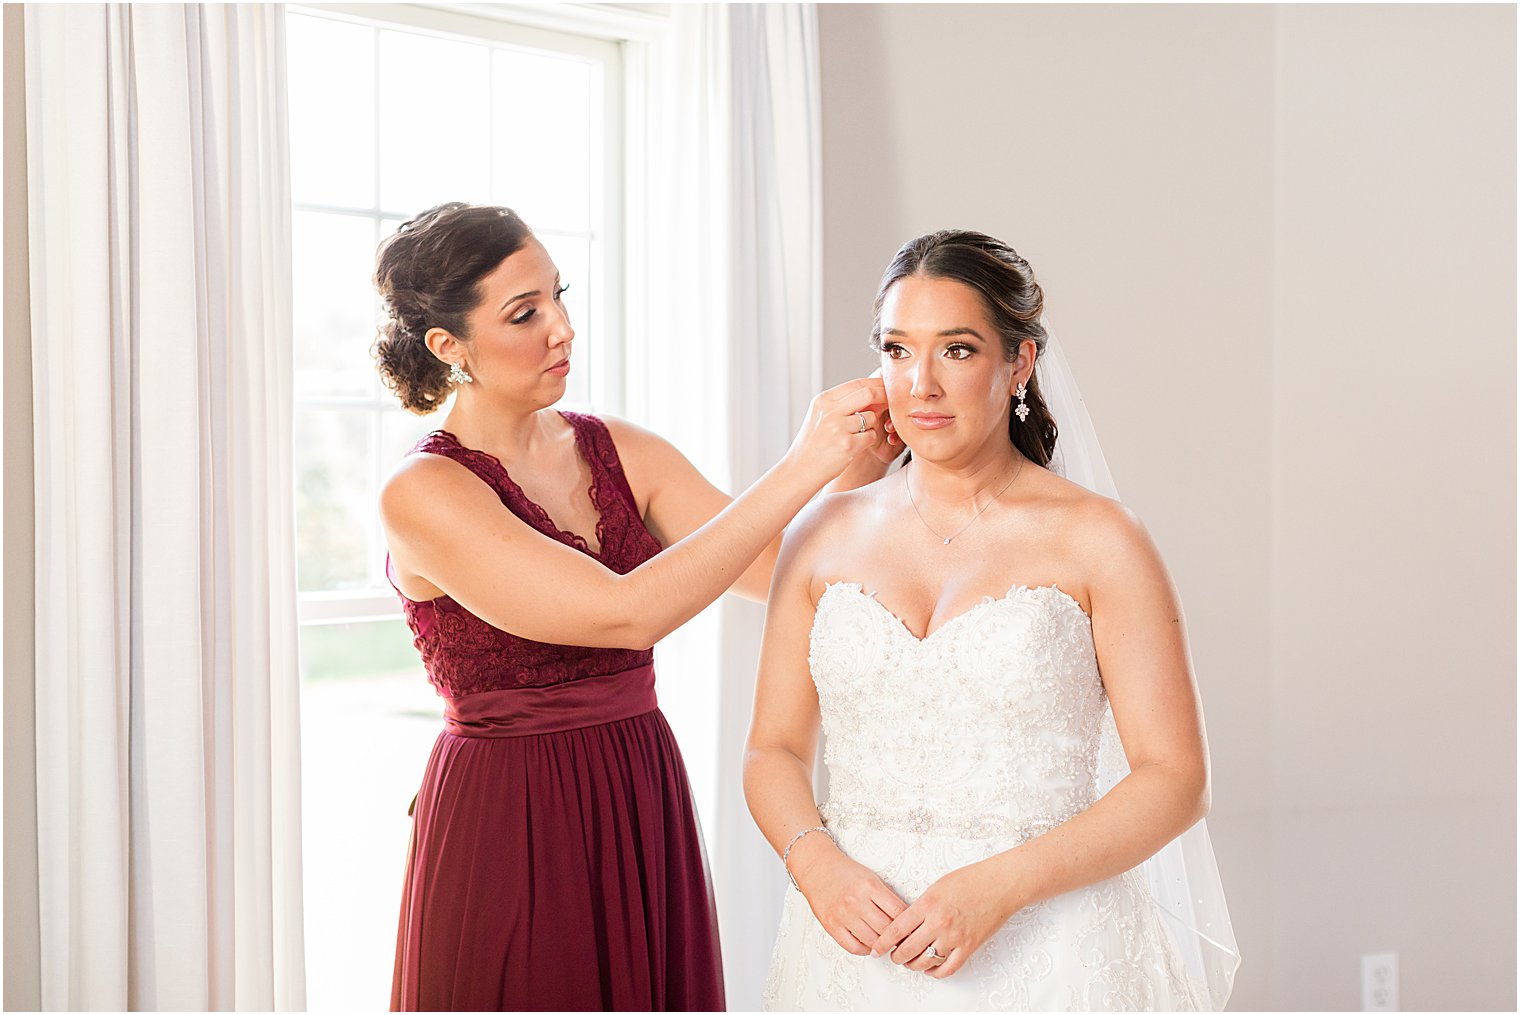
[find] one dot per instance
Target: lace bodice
(465, 655)
(988, 728)
(943, 751)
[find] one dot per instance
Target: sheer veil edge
(1183, 877)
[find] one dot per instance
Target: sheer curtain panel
(734, 348)
(167, 749)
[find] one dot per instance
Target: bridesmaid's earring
(1021, 410)
(458, 376)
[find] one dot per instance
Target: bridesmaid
(555, 861)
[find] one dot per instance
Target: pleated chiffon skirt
(558, 870)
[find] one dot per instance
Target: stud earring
(457, 374)
(1021, 410)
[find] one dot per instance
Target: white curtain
(167, 747)
(732, 354)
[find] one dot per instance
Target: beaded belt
(922, 821)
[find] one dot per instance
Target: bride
(962, 631)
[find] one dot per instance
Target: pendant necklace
(945, 540)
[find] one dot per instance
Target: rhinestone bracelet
(787, 852)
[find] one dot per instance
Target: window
(393, 110)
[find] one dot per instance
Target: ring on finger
(863, 427)
(934, 954)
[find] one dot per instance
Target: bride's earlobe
(1023, 367)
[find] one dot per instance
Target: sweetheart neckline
(859, 589)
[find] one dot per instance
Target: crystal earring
(1021, 410)
(457, 374)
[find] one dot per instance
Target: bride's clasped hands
(947, 923)
(956, 915)
(850, 901)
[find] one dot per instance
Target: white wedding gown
(943, 751)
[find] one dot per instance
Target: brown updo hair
(428, 273)
(1013, 300)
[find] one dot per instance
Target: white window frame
(620, 39)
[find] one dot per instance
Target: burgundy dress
(555, 860)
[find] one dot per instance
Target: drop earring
(458, 376)
(1021, 410)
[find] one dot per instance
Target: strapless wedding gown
(946, 750)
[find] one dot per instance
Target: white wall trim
(617, 22)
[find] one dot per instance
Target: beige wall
(1278, 244)
(1393, 571)
(23, 985)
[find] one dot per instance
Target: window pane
(572, 256)
(369, 719)
(435, 122)
(359, 650)
(331, 70)
(335, 498)
(400, 430)
(545, 120)
(335, 304)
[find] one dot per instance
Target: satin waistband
(528, 711)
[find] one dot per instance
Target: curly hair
(428, 275)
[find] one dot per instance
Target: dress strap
(619, 523)
(487, 467)
(601, 454)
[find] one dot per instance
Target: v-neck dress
(555, 861)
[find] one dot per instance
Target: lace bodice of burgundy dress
(465, 655)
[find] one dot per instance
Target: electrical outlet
(1380, 981)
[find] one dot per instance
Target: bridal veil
(1183, 877)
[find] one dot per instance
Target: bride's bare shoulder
(1098, 524)
(833, 524)
(1108, 548)
(825, 514)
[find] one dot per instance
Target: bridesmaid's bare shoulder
(418, 480)
(423, 488)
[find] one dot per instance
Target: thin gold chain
(946, 539)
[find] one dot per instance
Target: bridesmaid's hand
(868, 467)
(848, 899)
(842, 423)
(891, 445)
(888, 445)
(956, 914)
